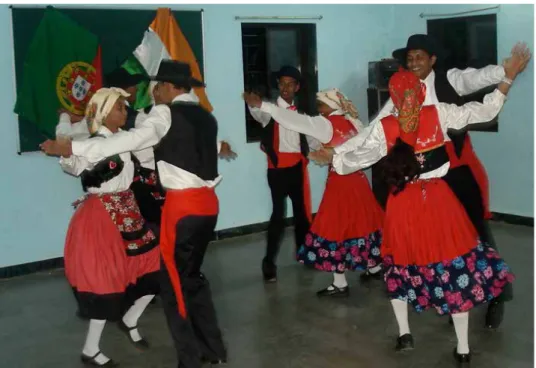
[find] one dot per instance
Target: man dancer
(420, 56)
(287, 152)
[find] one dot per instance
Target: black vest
(267, 143)
(433, 159)
(191, 142)
(447, 94)
(102, 172)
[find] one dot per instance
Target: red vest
(343, 130)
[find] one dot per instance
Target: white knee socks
(401, 313)
(339, 280)
(134, 313)
(91, 347)
(461, 325)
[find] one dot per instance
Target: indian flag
(163, 40)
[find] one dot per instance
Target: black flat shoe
(367, 276)
(142, 344)
(463, 360)
(87, 360)
(334, 291)
(217, 362)
(404, 343)
(269, 271)
(495, 314)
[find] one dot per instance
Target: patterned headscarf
(100, 105)
(341, 104)
(407, 93)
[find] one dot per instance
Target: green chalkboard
(119, 31)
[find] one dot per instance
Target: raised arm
(457, 117)
(471, 80)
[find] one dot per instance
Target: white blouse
(79, 132)
(373, 146)
(75, 165)
(147, 134)
(464, 82)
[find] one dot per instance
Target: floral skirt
(346, 232)
(432, 253)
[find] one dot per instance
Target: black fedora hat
(174, 71)
(120, 78)
(420, 42)
(289, 71)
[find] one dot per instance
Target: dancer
(346, 231)
(433, 254)
(467, 176)
(112, 261)
(186, 158)
(286, 151)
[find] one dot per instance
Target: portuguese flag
(62, 69)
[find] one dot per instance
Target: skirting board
(54, 263)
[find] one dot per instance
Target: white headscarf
(335, 99)
(100, 105)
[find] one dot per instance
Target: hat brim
(192, 82)
(401, 55)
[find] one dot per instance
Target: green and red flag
(62, 69)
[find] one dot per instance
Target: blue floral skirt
(452, 286)
(346, 232)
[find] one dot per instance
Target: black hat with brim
(289, 71)
(176, 72)
(420, 42)
(120, 78)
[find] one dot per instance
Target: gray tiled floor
(273, 326)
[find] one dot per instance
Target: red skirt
(105, 280)
(425, 223)
(346, 231)
(432, 252)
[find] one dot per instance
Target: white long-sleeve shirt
(75, 165)
(374, 146)
(149, 132)
(289, 138)
(79, 131)
(464, 82)
(317, 127)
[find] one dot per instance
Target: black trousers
(464, 185)
(286, 182)
(198, 335)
